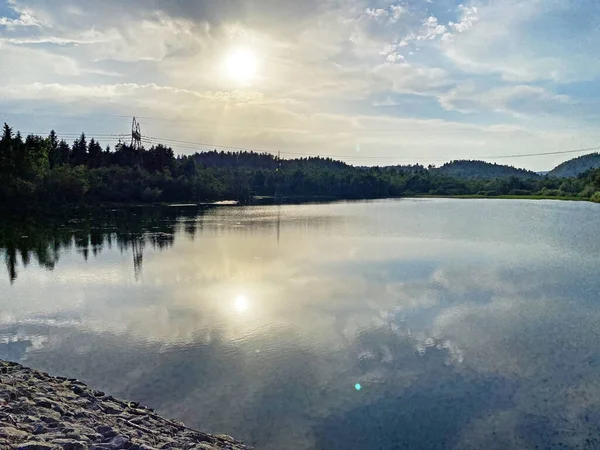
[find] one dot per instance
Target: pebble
(45, 413)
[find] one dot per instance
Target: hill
(576, 166)
(482, 170)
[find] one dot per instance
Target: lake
(360, 325)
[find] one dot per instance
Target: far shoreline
(508, 197)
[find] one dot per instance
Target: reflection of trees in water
(44, 240)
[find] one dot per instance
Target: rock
(45, 413)
(50, 415)
(141, 447)
(44, 403)
(120, 442)
(70, 444)
(49, 420)
(77, 390)
(13, 433)
(37, 446)
(106, 432)
(111, 409)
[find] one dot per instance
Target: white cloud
(518, 100)
(409, 79)
(522, 41)
(376, 13)
(389, 15)
(394, 57)
(24, 20)
(468, 17)
(431, 29)
(386, 102)
(397, 12)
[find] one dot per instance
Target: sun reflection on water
(241, 304)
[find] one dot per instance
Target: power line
(195, 124)
(521, 155)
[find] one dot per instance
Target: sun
(242, 65)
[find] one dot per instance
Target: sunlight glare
(241, 304)
(242, 65)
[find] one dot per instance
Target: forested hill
(576, 166)
(482, 170)
(254, 160)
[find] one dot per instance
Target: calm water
(377, 325)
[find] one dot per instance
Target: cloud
(517, 100)
(408, 78)
(468, 17)
(389, 15)
(431, 29)
(525, 41)
(24, 20)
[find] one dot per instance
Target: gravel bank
(40, 412)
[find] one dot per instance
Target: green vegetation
(38, 173)
(482, 170)
(576, 166)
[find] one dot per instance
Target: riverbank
(40, 412)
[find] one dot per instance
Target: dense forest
(483, 170)
(45, 172)
(576, 166)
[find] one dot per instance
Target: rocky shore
(40, 412)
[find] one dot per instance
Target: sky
(371, 82)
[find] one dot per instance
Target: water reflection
(242, 304)
(129, 229)
(368, 325)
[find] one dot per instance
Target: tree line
(45, 172)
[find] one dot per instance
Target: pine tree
(79, 154)
(64, 153)
(53, 149)
(94, 154)
(6, 151)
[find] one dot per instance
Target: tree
(53, 149)
(63, 153)
(6, 151)
(79, 154)
(94, 154)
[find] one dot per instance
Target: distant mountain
(576, 166)
(482, 170)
